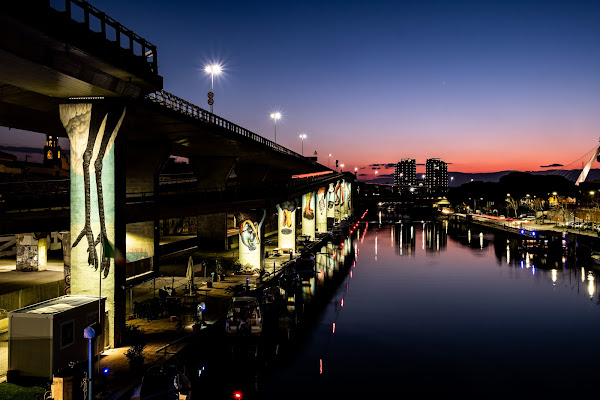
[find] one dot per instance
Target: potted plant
(237, 266)
(220, 271)
(135, 355)
(134, 337)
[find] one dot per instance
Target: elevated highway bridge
(71, 70)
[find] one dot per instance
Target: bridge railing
(97, 21)
(231, 193)
(175, 103)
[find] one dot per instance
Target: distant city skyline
(485, 86)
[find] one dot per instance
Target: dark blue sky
(485, 85)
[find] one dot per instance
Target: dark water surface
(434, 309)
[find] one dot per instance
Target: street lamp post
(214, 69)
(275, 116)
(302, 136)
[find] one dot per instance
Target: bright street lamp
(328, 159)
(302, 136)
(214, 69)
(341, 167)
(275, 116)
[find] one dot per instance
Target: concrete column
(331, 201)
(92, 130)
(342, 194)
(251, 237)
(32, 253)
(308, 214)
(286, 225)
(338, 201)
(66, 248)
(212, 231)
(321, 210)
(348, 192)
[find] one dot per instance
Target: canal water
(430, 308)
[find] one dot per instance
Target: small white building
(45, 337)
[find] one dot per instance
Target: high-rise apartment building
(436, 176)
(405, 175)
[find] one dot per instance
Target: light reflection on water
(483, 318)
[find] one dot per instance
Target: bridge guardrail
(234, 193)
(184, 107)
(137, 45)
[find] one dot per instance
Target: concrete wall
(31, 295)
(139, 241)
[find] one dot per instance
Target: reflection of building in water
(537, 260)
(435, 235)
(405, 236)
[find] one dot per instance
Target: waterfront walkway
(119, 381)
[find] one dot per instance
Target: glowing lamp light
(213, 69)
(333, 331)
(237, 395)
(533, 233)
(522, 231)
(320, 366)
(342, 303)
(105, 371)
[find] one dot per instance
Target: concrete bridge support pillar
(95, 242)
(212, 231)
(338, 194)
(349, 210)
(330, 204)
(32, 252)
(251, 237)
(346, 198)
(309, 214)
(286, 225)
(321, 210)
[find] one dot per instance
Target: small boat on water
(164, 381)
(244, 317)
(273, 295)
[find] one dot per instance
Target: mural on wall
(308, 211)
(287, 208)
(308, 218)
(250, 231)
(321, 204)
(331, 200)
(348, 193)
(66, 246)
(339, 194)
(92, 130)
(27, 256)
(321, 217)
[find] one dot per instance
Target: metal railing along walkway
(188, 109)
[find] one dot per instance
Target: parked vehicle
(244, 317)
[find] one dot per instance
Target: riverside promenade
(578, 240)
(164, 336)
